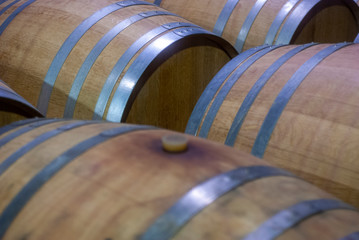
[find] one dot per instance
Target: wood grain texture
(317, 133)
(116, 190)
(13, 107)
(31, 41)
(326, 22)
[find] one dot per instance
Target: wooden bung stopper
(174, 143)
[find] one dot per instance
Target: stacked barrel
(357, 38)
(88, 180)
(250, 23)
(93, 160)
(297, 102)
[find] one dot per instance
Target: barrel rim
(121, 102)
(294, 25)
(13, 102)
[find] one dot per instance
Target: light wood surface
(326, 21)
(117, 189)
(33, 38)
(317, 134)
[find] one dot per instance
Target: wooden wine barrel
(13, 107)
(121, 61)
(250, 23)
(357, 38)
(115, 181)
(295, 106)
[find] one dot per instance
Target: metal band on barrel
(251, 17)
(5, 91)
(158, 2)
(30, 189)
(284, 96)
(286, 219)
(69, 44)
(295, 18)
(37, 141)
(12, 98)
(255, 90)
(213, 87)
(8, 6)
(217, 102)
(94, 54)
(33, 123)
(201, 196)
(8, 20)
(278, 21)
(2, 1)
(124, 61)
(17, 124)
(353, 236)
(224, 17)
(119, 105)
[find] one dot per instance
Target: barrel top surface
(101, 182)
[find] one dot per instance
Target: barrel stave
(316, 134)
(82, 62)
(247, 23)
(118, 187)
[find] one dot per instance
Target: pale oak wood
(317, 134)
(327, 22)
(31, 41)
(115, 190)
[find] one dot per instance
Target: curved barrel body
(115, 181)
(13, 107)
(357, 38)
(250, 23)
(297, 102)
(116, 60)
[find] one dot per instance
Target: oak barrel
(120, 61)
(13, 107)
(357, 38)
(295, 106)
(73, 179)
(250, 23)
